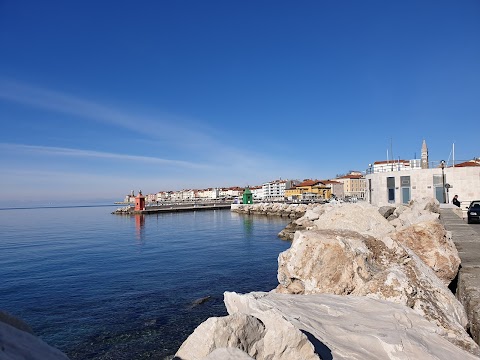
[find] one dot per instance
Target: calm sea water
(103, 286)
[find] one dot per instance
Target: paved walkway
(467, 240)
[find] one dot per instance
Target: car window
(475, 204)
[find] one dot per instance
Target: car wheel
(469, 221)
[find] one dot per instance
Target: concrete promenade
(467, 240)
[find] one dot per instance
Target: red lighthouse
(139, 201)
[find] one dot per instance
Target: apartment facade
(274, 190)
(354, 185)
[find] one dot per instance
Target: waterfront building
(213, 193)
(130, 198)
(354, 185)
(401, 186)
(404, 180)
(163, 195)
(231, 192)
(306, 188)
(309, 189)
(257, 192)
(274, 190)
(336, 188)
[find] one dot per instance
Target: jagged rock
(16, 344)
(428, 204)
(434, 245)
(271, 338)
(348, 263)
(350, 327)
(422, 210)
(363, 218)
(386, 211)
(271, 209)
(288, 232)
(241, 331)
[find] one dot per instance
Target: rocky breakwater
(357, 283)
(17, 342)
(293, 211)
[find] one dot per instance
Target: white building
(257, 192)
(212, 193)
(231, 192)
(397, 165)
(401, 186)
(274, 190)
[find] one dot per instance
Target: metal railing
(398, 166)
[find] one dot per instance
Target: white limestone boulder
(227, 354)
(238, 330)
(417, 211)
(434, 245)
(350, 327)
(271, 338)
(361, 217)
(348, 263)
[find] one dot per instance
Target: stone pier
(467, 240)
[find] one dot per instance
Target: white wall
(465, 182)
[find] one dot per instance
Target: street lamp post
(442, 164)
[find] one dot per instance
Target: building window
(391, 189)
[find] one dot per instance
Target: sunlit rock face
(346, 327)
(273, 337)
(348, 263)
(434, 245)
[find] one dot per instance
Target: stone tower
(424, 155)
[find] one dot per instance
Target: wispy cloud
(179, 135)
(61, 151)
(178, 131)
(30, 95)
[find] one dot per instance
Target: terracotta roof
(390, 162)
(351, 177)
(330, 182)
(468, 163)
(307, 182)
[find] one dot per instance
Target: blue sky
(101, 97)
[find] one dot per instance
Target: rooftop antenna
(453, 151)
(391, 150)
(450, 156)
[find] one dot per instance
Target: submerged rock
(18, 343)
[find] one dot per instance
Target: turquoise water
(103, 286)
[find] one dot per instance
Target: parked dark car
(473, 212)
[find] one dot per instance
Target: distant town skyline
(97, 99)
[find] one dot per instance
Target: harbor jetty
(173, 207)
(384, 278)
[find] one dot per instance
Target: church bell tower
(424, 155)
